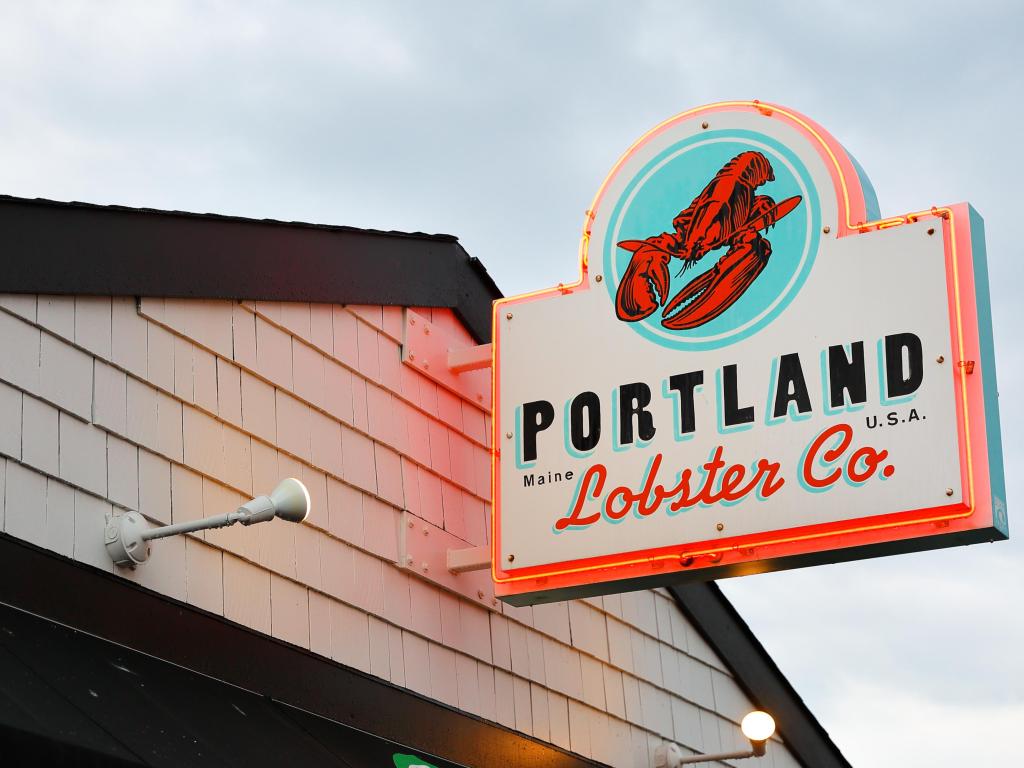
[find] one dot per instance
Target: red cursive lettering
(721, 482)
(599, 472)
(867, 457)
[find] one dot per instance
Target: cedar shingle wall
(186, 408)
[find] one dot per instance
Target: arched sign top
(854, 195)
(753, 371)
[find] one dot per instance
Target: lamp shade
(291, 500)
(758, 726)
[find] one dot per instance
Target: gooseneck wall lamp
(757, 726)
(127, 536)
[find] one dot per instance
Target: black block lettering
(846, 375)
(585, 439)
(685, 384)
(633, 402)
(903, 379)
(537, 416)
(791, 387)
(732, 414)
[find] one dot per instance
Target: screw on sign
(743, 382)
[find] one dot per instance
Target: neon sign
(753, 371)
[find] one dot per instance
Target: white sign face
(740, 376)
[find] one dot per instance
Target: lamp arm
(712, 758)
(755, 724)
(258, 510)
(217, 521)
(126, 537)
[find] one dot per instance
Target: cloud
(497, 122)
(892, 726)
(935, 622)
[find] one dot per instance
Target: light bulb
(758, 726)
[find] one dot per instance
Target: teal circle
(667, 184)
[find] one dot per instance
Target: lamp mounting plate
(123, 539)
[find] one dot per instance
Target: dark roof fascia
(721, 627)
(108, 607)
(78, 248)
(70, 698)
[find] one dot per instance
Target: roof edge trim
(77, 248)
(757, 674)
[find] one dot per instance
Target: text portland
(846, 386)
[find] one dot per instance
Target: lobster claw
(644, 286)
(708, 295)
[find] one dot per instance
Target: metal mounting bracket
(469, 358)
(425, 551)
(469, 559)
(427, 349)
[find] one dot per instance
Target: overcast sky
(496, 122)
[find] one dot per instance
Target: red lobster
(726, 212)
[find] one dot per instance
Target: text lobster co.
(829, 458)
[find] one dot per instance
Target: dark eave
(78, 248)
(105, 606)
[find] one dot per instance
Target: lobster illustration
(726, 213)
